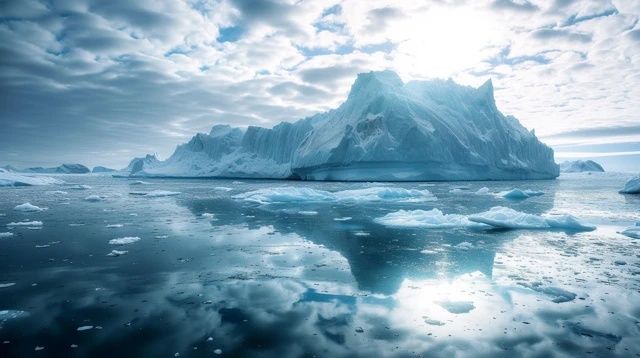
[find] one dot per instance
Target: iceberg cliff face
(385, 130)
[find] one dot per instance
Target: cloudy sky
(98, 82)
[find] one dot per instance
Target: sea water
(166, 267)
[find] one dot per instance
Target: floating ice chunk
(95, 198)
(346, 218)
(84, 328)
(15, 179)
(431, 219)
(632, 186)
(6, 315)
(5, 234)
(113, 226)
(79, 187)
(483, 191)
(207, 215)
(288, 195)
(222, 188)
(38, 348)
(124, 240)
(139, 182)
(465, 245)
(162, 236)
(217, 351)
(155, 193)
(518, 194)
(307, 212)
(633, 232)
(361, 233)
(507, 218)
(457, 307)
(28, 208)
(57, 192)
(25, 223)
(433, 322)
(558, 295)
(9, 284)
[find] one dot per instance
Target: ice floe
(519, 194)
(557, 294)
(457, 307)
(139, 182)
(155, 193)
(116, 253)
(15, 179)
(124, 240)
(9, 284)
(432, 219)
(507, 218)
(78, 187)
(346, 218)
(114, 226)
(632, 186)
(307, 212)
(301, 195)
(222, 188)
(95, 198)
(25, 223)
(84, 328)
(28, 208)
(5, 234)
(633, 232)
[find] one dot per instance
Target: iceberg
(578, 166)
(14, 179)
(101, 169)
(632, 232)
(518, 194)
(386, 130)
(632, 186)
(124, 240)
(429, 219)
(62, 169)
(309, 195)
(507, 218)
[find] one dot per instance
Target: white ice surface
(15, 179)
(632, 186)
(502, 217)
(124, 240)
(301, 195)
(430, 219)
(28, 208)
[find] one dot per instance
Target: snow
(95, 198)
(518, 194)
(577, 166)
(502, 217)
(124, 240)
(309, 195)
(632, 186)
(5, 234)
(25, 223)
(155, 193)
(428, 219)
(385, 130)
(15, 179)
(28, 208)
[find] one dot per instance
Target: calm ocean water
(314, 275)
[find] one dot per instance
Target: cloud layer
(99, 82)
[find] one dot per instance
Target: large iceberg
(632, 186)
(577, 166)
(385, 130)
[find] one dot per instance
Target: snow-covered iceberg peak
(385, 130)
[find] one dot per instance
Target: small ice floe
(8, 284)
(79, 187)
(84, 328)
(162, 236)
(427, 219)
(632, 232)
(76, 224)
(139, 182)
(222, 188)
(207, 215)
(155, 193)
(308, 195)
(114, 226)
(42, 246)
(124, 240)
(432, 322)
(507, 218)
(28, 208)
(307, 212)
(632, 186)
(116, 253)
(57, 192)
(25, 223)
(465, 245)
(346, 218)
(74, 346)
(95, 198)
(210, 339)
(557, 294)
(38, 348)
(361, 233)
(518, 194)
(4, 235)
(457, 307)
(483, 191)
(217, 351)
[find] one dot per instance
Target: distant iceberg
(15, 179)
(386, 130)
(632, 186)
(577, 166)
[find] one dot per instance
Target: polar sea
(106, 267)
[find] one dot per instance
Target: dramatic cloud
(99, 82)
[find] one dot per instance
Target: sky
(99, 82)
